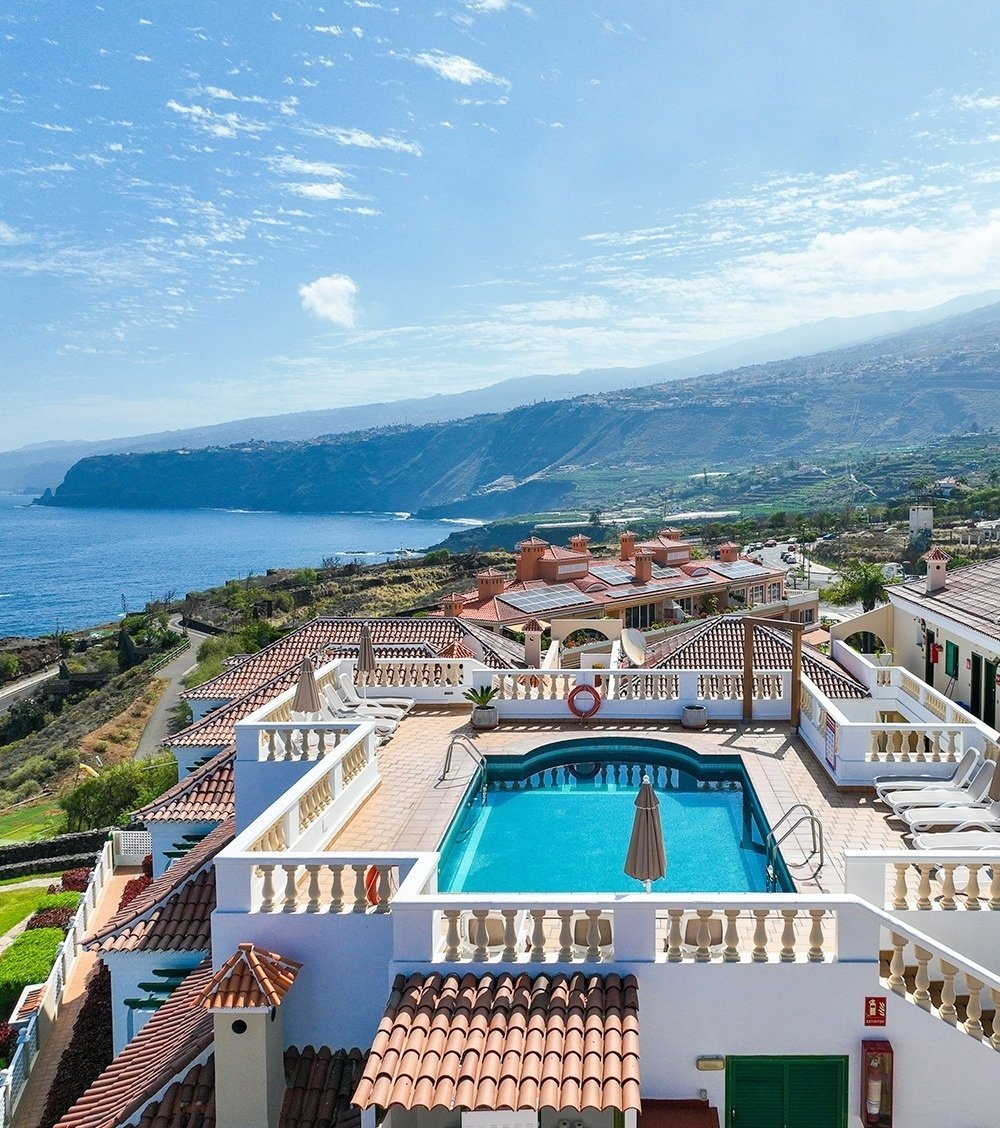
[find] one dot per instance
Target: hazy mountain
(44, 464)
(899, 390)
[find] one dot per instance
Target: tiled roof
(456, 650)
(971, 597)
(311, 639)
(219, 728)
(174, 913)
(717, 644)
(176, 1036)
(936, 553)
(320, 1084)
(206, 795)
(506, 1042)
(251, 978)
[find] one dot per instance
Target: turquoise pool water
(560, 821)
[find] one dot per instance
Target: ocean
(69, 568)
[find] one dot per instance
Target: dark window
(951, 660)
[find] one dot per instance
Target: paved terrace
(410, 810)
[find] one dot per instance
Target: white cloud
(324, 190)
(9, 236)
(363, 140)
(307, 168)
(142, 58)
(330, 29)
(496, 6)
(215, 124)
(54, 128)
(456, 68)
(977, 101)
(586, 307)
(331, 298)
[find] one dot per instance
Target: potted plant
(484, 713)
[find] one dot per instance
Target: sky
(220, 209)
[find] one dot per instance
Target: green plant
(28, 960)
(438, 556)
(860, 582)
(10, 667)
(110, 799)
(305, 577)
(482, 697)
(64, 900)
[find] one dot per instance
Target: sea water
(70, 568)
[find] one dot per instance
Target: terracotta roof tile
(717, 644)
(506, 1042)
(174, 912)
(971, 597)
(218, 728)
(311, 639)
(456, 650)
(936, 553)
(320, 1084)
(206, 795)
(176, 1036)
(251, 978)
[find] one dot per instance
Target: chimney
(529, 556)
(937, 569)
(490, 582)
(533, 643)
(643, 567)
(728, 553)
(672, 534)
(578, 543)
(245, 997)
(627, 542)
(453, 605)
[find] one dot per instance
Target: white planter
(694, 717)
(485, 717)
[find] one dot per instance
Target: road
(16, 690)
(818, 575)
(157, 727)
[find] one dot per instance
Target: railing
(938, 881)
(15, 1076)
(918, 744)
(169, 655)
(130, 847)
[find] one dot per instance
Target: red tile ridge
(251, 979)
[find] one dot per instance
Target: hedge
(52, 918)
(28, 960)
(58, 901)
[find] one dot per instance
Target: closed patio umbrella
(366, 665)
(306, 699)
(646, 860)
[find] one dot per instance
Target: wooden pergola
(750, 623)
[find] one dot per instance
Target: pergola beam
(797, 630)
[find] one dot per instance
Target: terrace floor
(411, 809)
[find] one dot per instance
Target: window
(951, 660)
(773, 592)
(808, 616)
(757, 594)
(641, 617)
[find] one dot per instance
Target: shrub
(133, 888)
(10, 667)
(58, 900)
(8, 1043)
(28, 960)
(438, 556)
(305, 576)
(75, 880)
(110, 799)
(147, 865)
(51, 918)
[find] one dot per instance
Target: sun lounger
(384, 726)
(350, 694)
(944, 796)
(961, 775)
(986, 817)
(370, 712)
(974, 841)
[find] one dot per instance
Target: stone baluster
(924, 886)
(565, 934)
(921, 985)
(972, 894)
(787, 954)
(897, 965)
(290, 899)
(995, 886)
(703, 951)
(759, 952)
(336, 888)
(995, 1025)
(384, 888)
(948, 886)
(673, 941)
(452, 935)
(537, 950)
(479, 935)
(899, 892)
(731, 940)
(509, 952)
(815, 953)
(593, 935)
(947, 1009)
(312, 906)
(974, 1007)
(360, 894)
(267, 889)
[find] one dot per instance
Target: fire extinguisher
(873, 1096)
(935, 653)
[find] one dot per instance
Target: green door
(977, 685)
(928, 659)
(990, 694)
(786, 1092)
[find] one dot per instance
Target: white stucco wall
(128, 970)
(163, 835)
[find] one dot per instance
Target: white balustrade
(919, 881)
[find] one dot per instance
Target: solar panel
(662, 573)
(544, 599)
(612, 574)
(739, 569)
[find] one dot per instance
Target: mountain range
(32, 468)
(900, 390)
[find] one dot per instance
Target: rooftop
(250, 979)
(206, 795)
(970, 596)
(506, 1042)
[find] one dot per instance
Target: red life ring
(584, 712)
(371, 886)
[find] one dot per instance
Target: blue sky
(220, 209)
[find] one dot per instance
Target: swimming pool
(559, 820)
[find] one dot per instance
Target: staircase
(943, 998)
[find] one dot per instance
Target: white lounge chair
(944, 796)
(369, 712)
(349, 693)
(961, 775)
(580, 924)
(985, 817)
(495, 927)
(384, 726)
(974, 841)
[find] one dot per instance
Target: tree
(110, 798)
(595, 517)
(860, 582)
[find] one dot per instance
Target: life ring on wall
(371, 886)
(584, 712)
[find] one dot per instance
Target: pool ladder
(466, 746)
(774, 840)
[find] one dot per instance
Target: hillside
(44, 464)
(901, 390)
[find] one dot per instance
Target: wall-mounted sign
(875, 1010)
(830, 742)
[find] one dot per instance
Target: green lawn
(17, 904)
(32, 822)
(52, 878)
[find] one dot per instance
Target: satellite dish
(634, 645)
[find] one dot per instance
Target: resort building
(945, 629)
(651, 583)
(662, 890)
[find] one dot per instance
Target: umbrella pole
(649, 886)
